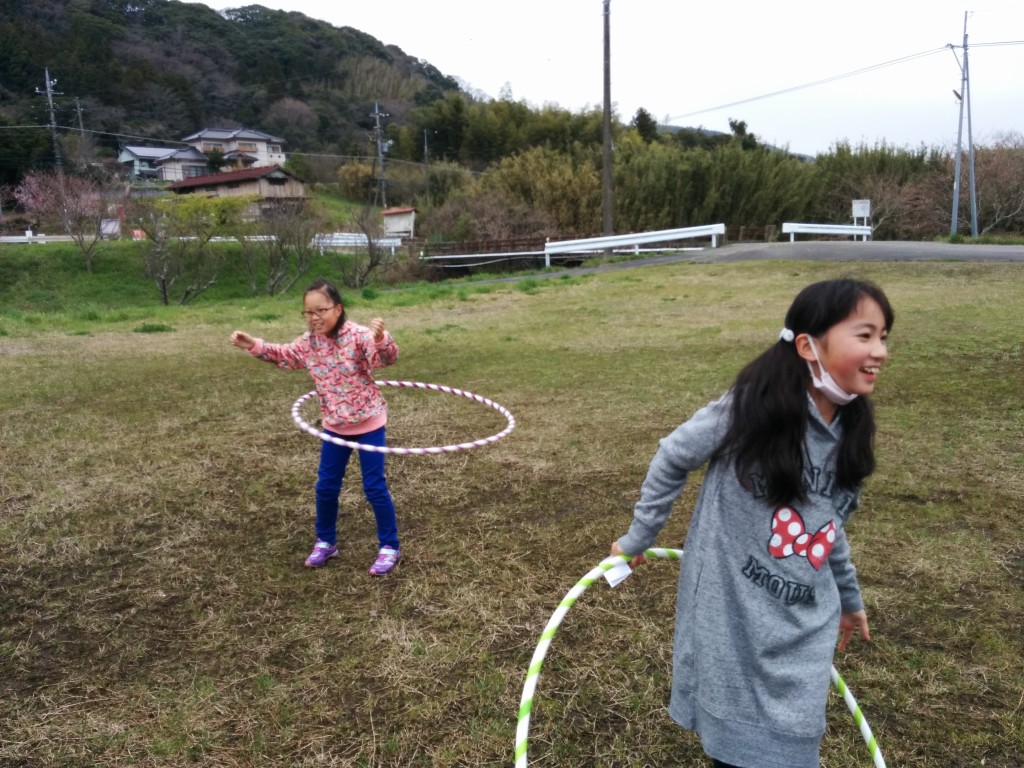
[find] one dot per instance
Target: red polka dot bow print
(789, 537)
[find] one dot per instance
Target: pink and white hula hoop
(410, 451)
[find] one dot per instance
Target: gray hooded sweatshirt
(761, 588)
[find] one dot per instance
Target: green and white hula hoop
(616, 562)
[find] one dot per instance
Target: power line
(861, 71)
(995, 45)
(92, 131)
(121, 136)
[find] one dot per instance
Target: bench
(855, 230)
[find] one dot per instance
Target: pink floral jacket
(342, 368)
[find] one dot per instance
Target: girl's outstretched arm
(848, 622)
(242, 340)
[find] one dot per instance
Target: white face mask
(826, 384)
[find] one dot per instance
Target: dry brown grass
(155, 508)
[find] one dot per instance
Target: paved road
(832, 250)
(818, 250)
(862, 251)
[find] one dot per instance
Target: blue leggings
(333, 461)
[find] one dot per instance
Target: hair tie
(786, 335)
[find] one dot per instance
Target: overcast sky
(698, 64)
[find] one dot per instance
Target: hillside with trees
(475, 168)
(160, 69)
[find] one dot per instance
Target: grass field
(156, 506)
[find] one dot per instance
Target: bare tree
(357, 270)
(924, 209)
(160, 257)
(1000, 185)
(279, 247)
(79, 205)
(178, 233)
(489, 215)
(12, 220)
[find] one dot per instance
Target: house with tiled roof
(238, 148)
(141, 161)
(163, 163)
(271, 185)
(184, 163)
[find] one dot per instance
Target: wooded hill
(161, 69)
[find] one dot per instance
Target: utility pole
(78, 109)
(380, 193)
(964, 96)
(606, 179)
(426, 163)
(53, 121)
(970, 139)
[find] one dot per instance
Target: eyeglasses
(309, 315)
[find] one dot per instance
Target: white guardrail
(34, 238)
(333, 240)
(635, 240)
(354, 240)
(793, 228)
(482, 259)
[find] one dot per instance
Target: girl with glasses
(340, 355)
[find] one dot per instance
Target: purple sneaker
(387, 558)
(322, 552)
